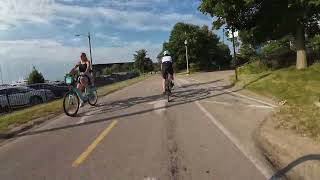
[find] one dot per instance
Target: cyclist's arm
(88, 67)
(74, 68)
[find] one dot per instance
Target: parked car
(22, 96)
(58, 91)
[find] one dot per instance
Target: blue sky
(41, 32)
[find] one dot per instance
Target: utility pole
(89, 42)
(1, 74)
(89, 38)
(223, 35)
(234, 55)
(187, 59)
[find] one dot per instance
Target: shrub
(194, 67)
(35, 77)
(107, 71)
(277, 54)
(253, 68)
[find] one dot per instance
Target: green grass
(17, 118)
(301, 88)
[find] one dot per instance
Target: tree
(203, 49)
(268, 19)
(35, 77)
(142, 62)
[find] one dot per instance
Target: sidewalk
(281, 147)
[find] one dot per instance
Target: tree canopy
(268, 19)
(204, 48)
(35, 77)
(142, 62)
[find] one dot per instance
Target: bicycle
(168, 88)
(73, 97)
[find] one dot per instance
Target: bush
(194, 67)
(116, 68)
(277, 54)
(246, 54)
(107, 71)
(35, 77)
(253, 68)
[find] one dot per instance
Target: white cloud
(133, 3)
(16, 12)
(13, 12)
(47, 50)
(53, 58)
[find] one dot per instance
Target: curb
(24, 127)
(281, 147)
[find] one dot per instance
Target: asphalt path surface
(205, 133)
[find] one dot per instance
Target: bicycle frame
(82, 97)
(80, 94)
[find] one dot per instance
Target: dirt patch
(290, 152)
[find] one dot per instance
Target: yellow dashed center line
(93, 145)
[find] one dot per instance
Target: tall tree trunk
(301, 49)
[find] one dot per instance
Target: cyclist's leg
(164, 73)
(170, 72)
(164, 77)
(79, 85)
(84, 81)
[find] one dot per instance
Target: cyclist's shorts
(166, 69)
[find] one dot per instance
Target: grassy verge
(300, 88)
(17, 118)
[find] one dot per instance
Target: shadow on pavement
(199, 84)
(282, 173)
(259, 78)
(180, 96)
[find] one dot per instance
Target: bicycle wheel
(71, 103)
(93, 98)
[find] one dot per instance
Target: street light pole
(234, 55)
(89, 42)
(89, 38)
(186, 44)
(223, 35)
(1, 74)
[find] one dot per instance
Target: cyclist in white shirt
(166, 69)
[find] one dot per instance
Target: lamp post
(223, 34)
(234, 55)
(1, 74)
(186, 44)
(89, 41)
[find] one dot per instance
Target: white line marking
(217, 102)
(159, 106)
(231, 104)
(266, 172)
(240, 95)
(82, 119)
(260, 106)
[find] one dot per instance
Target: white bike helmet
(166, 53)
